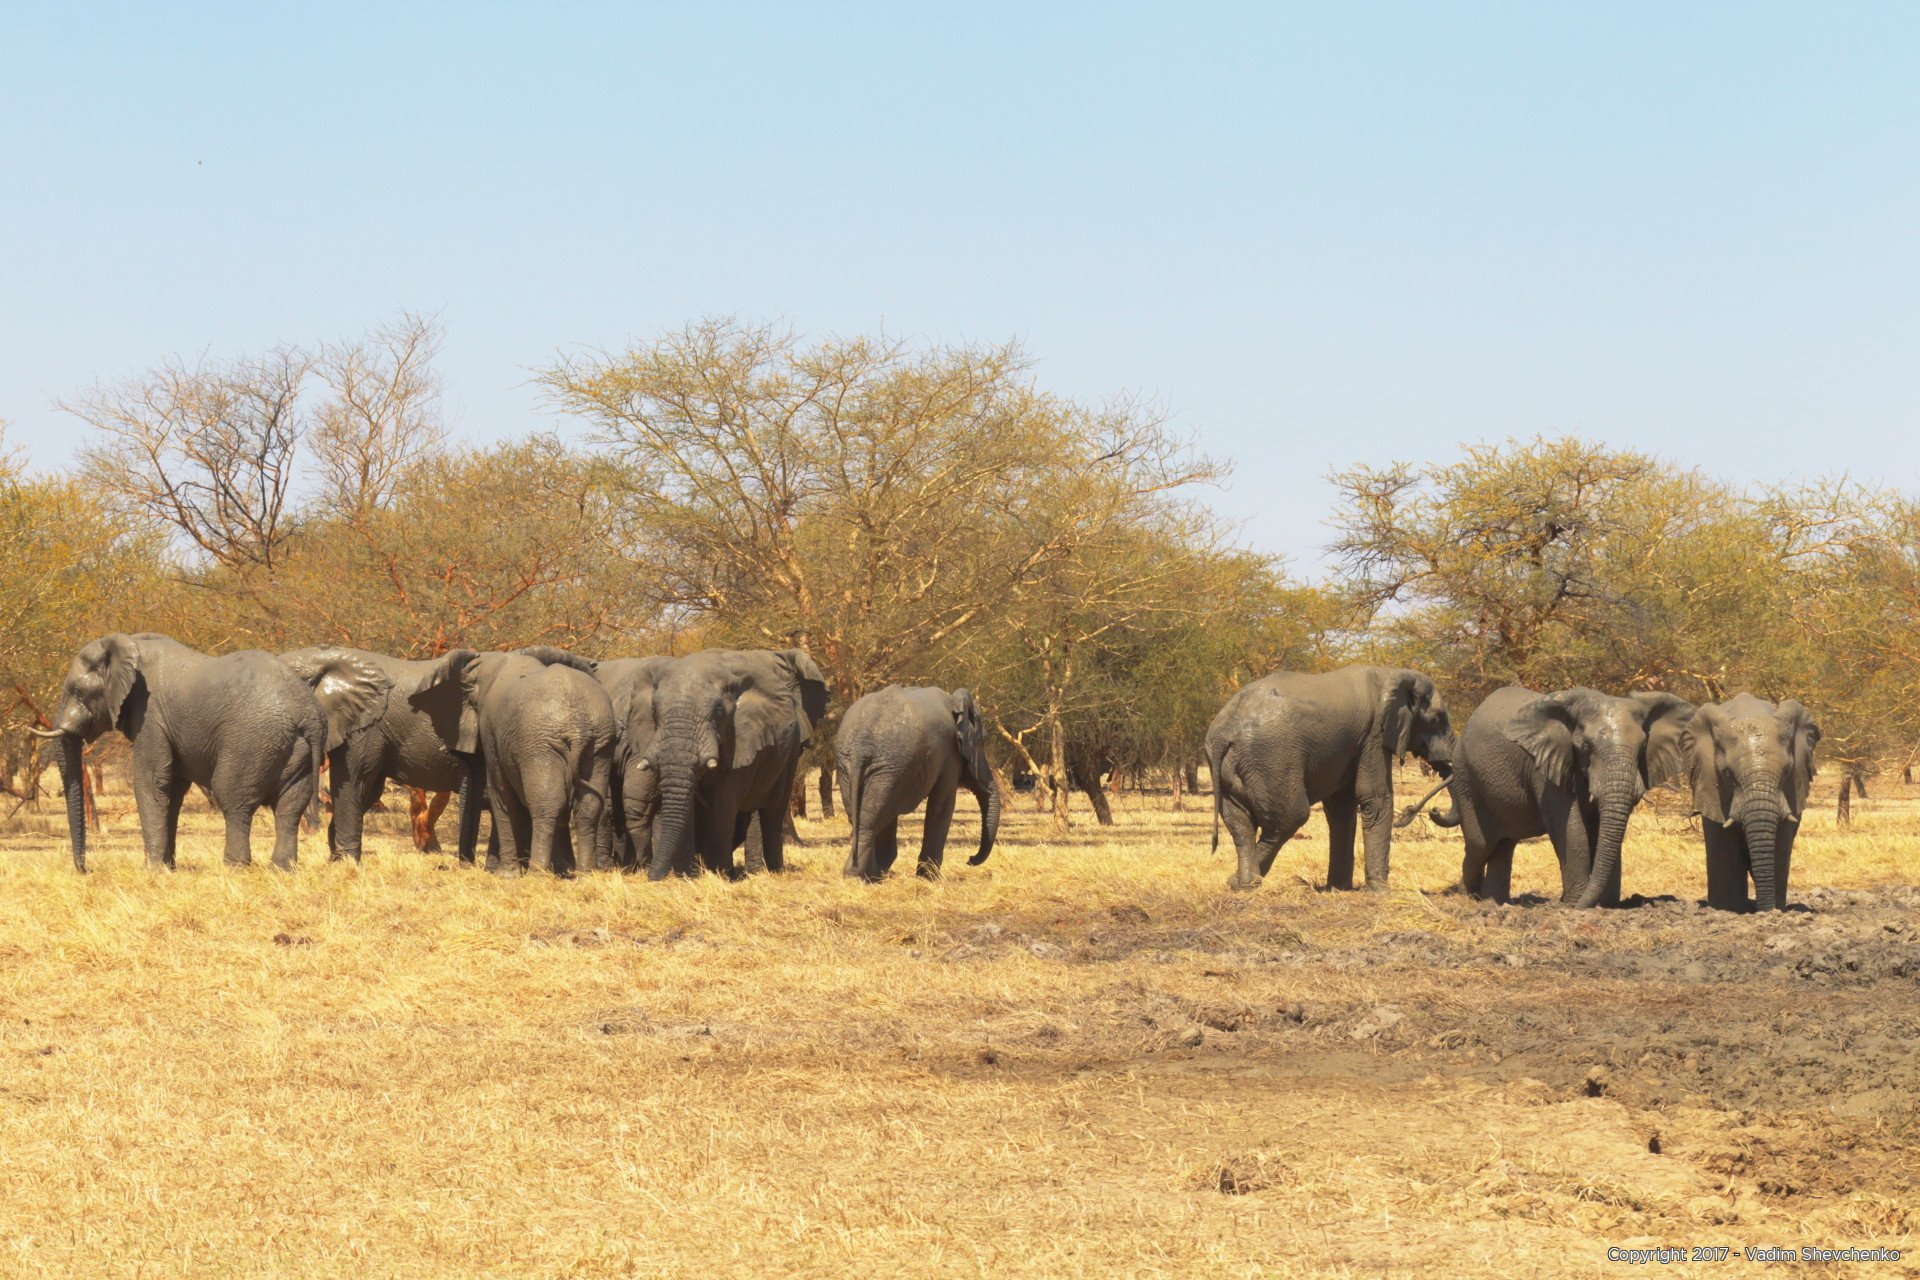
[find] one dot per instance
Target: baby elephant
(898, 747)
(546, 735)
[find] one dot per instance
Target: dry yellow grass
(1084, 1058)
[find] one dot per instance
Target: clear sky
(1320, 234)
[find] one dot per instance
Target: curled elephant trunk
(73, 782)
(1412, 811)
(989, 797)
(1614, 808)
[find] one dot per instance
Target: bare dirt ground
(1084, 1058)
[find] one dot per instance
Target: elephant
(408, 738)
(1750, 762)
(621, 844)
(1570, 766)
(241, 726)
(898, 747)
(1292, 740)
(712, 743)
(545, 733)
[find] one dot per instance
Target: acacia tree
(859, 498)
(69, 565)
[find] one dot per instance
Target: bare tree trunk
(1088, 780)
(1193, 778)
(826, 791)
(1057, 773)
(797, 806)
(1179, 789)
(1844, 813)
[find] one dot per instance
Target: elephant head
(475, 673)
(709, 713)
(976, 772)
(103, 690)
(1413, 719)
(1751, 763)
(1621, 747)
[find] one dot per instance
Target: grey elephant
(390, 734)
(623, 679)
(898, 747)
(242, 726)
(1750, 762)
(1290, 741)
(545, 733)
(712, 743)
(1570, 766)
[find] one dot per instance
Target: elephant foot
(284, 865)
(1238, 885)
(927, 871)
(506, 870)
(159, 864)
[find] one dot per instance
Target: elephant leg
(886, 847)
(1343, 817)
(293, 804)
(767, 837)
(1376, 833)
(171, 799)
(352, 797)
(753, 843)
(933, 834)
(512, 829)
(1239, 824)
(1496, 882)
(1782, 863)
(1479, 847)
(544, 834)
(1726, 866)
(239, 851)
(1256, 855)
(158, 794)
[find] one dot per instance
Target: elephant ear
(457, 667)
(1547, 729)
(812, 685)
(967, 733)
(556, 657)
(1664, 717)
(351, 691)
(120, 655)
(1806, 736)
(1712, 793)
(1397, 704)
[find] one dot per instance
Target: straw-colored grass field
(1086, 1057)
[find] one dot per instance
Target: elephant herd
(666, 764)
(671, 764)
(1570, 766)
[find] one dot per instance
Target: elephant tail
(856, 779)
(1215, 761)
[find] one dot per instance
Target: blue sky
(1319, 234)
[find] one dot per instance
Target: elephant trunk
(1617, 799)
(673, 834)
(1761, 823)
(472, 792)
(73, 782)
(1412, 811)
(988, 794)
